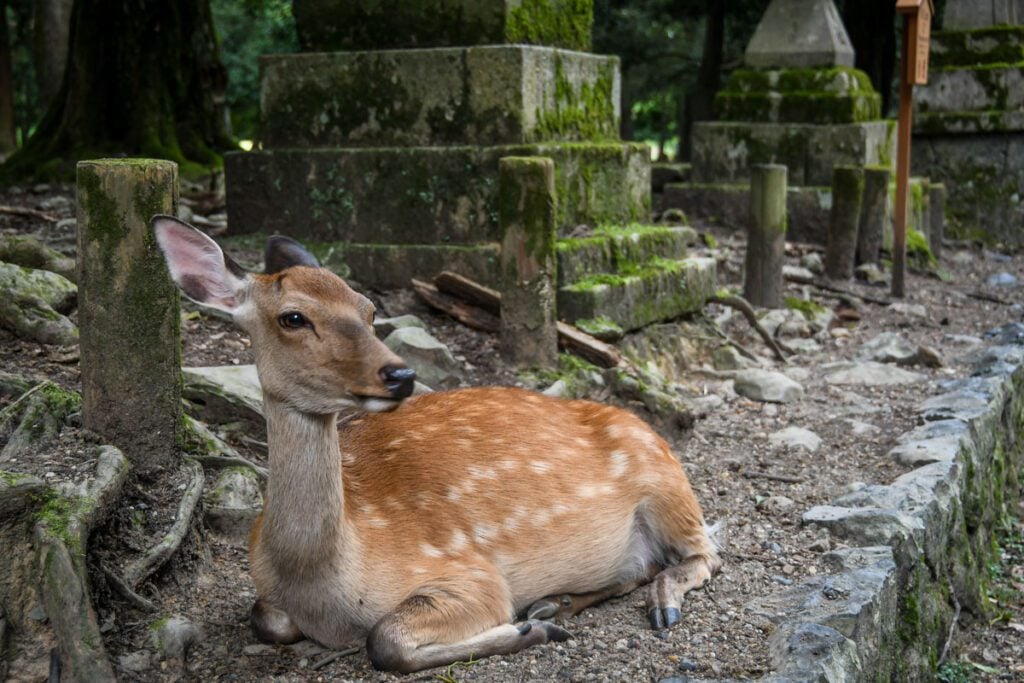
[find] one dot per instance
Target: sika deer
(435, 520)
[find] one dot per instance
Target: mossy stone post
(129, 310)
(766, 236)
(873, 214)
(526, 213)
(847, 196)
(936, 217)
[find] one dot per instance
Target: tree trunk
(700, 103)
(51, 21)
(143, 78)
(871, 27)
(8, 141)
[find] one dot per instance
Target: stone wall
(918, 547)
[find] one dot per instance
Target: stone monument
(969, 119)
(797, 101)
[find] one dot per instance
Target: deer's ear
(197, 265)
(284, 252)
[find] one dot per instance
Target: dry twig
(26, 212)
(741, 305)
(785, 478)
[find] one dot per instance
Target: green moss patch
(816, 96)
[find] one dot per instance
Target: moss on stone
(818, 96)
(564, 23)
(978, 46)
(581, 110)
(808, 308)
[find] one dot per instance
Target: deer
(440, 527)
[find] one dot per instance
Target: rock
(385, 326)
(767, 386)
(40, 188)
(928, 357)
(956, 405)
(839, 333)
(1002, 279)
(813, 262)
(868, 373)
(32, 424)
(795, 437)
(172, 637)
(558, 389)
(234, 503)
(797, 272)
(962, 258)
(918, 453)
(799, 34)
(433, 362)
(888, 347)
(31, 302)
(1011, 333)
(909, 310)
(962, 339)
(728, 358)
(805, 346)
(185, 213)
(776, 504)
(225, 393)
(858, 428)
(136, 662)
(871, 274)
(56, 203)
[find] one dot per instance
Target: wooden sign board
(918, 16)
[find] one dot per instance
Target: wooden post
(873, 212)
(526, 214)
(129, 310)
(841, 249)
(917, 16)
(766, 236)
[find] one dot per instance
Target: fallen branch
(785, 478)
(220, 461)
(741, 305)
(838, 290)
(26, 212)
(155, 557)
(487, 302)
(333, 657)
(992, 298)
(470, 316)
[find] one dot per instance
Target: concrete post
(128, 310)
(766, 236)
(526, 214)
(841, 247)
(873, 214)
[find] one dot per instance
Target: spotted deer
(426, 524)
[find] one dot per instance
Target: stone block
(799, 34)
(655, 291)
(611, 249)
(330, 25)
(819, 96)
(489, 95)
(991, 87)
(980, 14)
(423, 195)
(129, 310)
(392, 266)
(996, 45)
(723, 152)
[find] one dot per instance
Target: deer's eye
(293, 320)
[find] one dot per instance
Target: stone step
(614, 250)
(998, 87)
(658, 290)
(995, 45)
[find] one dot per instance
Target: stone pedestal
(969, 119)
(798, 102)
(394, 153)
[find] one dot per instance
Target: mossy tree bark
(7, 138)
(51, 20)
(144, 78)
(870, 24)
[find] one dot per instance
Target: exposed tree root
(61, 537)
(744, 307)
(218, 461)
(154, 558)
(125, 591)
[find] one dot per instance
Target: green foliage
(246, 30)
(27, 108)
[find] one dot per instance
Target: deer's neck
(303, 522)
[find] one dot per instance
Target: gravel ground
(758, 492)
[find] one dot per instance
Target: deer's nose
(398, 379)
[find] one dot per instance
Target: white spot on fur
(645, 437)
(430, 551)
(540, 466)
(395, 443)
(508, 465)
(483, 532)
(377, 522)
(459, 541)
(594, 490)
(620, 463)
(613, 431)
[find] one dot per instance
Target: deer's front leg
(273, 625)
